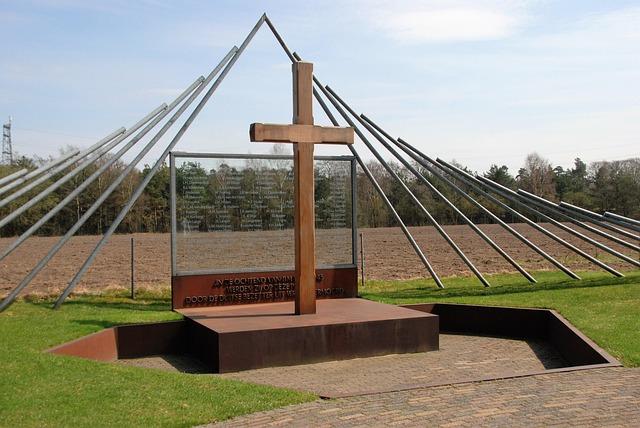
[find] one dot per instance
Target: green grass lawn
(605, 308)
(39, 389)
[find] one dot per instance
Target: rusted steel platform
(242, 337)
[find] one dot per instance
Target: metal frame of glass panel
(199, 155)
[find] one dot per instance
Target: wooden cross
(303, 134)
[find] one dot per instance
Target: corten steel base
(363, 325)
(246, 337)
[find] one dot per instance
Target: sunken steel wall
(222, 289)
(522, 323)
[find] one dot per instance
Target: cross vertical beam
(303, 184)
(303, 134)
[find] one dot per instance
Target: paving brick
(552, 399)
(460, 359)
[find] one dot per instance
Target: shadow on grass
(462, 291)
(153, 304)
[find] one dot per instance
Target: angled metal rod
(88, 161)
(383, 196)
(229, 60)
(61, 167)
(13, 176)
(590, 216)
(585, 212)
(431, 164)
(280, 39)
(553, 208)
(626, 221)
(39, 171)
(375, 130)
(336, 101)
(43, 262)
(468, 178)
(513, 196)
(623, 218)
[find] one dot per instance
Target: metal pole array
(479, 182)
(384, 198)
(590, 215)
(43, 262)
(157, 115)
(90, 160)
(229, 60)
(433, 189)
(551, 207)
(625, 221)
(194, 89)
(468, 178)
(36, 172)
(430, 165)
(513, 196)
(511, 201)
(13, 176)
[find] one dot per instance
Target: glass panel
(236, 214)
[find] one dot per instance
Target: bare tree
(537, 176)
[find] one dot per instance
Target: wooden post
(303, 182)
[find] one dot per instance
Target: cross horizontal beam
(267, 132)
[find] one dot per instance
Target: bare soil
(388, 255)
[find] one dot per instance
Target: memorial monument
(242, 318)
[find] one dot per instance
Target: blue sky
(477, 81)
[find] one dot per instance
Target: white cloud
(437, 22)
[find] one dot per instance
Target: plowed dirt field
(388, 255)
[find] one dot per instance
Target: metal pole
(230, 59)
(88, 161)
(590, 216)
(40, 170)
(470, 178)
(362, 257)
(61, 167)
(573, 209)
(354, 212)
(510, 194)
(336, 101)
(133, 293)
(173, 209)
(18, 241)
(367, 124)
(629, 221)
(553, 208)
(13, 176)
(43, 262)
(416, 154)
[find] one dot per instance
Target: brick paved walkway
(460, 359)
(597, 397)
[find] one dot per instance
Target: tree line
(600, 186)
